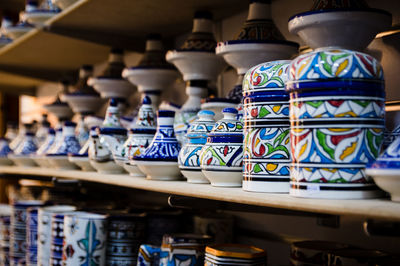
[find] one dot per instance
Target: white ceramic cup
(84, 239)
(44, 230)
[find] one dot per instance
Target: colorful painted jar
(183, 248)
(84, 239)
(234, 254)
(189, 156)
(221, 157)
(149, 255)
(160, 160)
(266, 128)
(337, 122)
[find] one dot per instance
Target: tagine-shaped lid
(199, 129)
(113, 114)
(154, 55)
(81, 86)
(228, 126)
(27, 145)
(115, 65)
(42, 131)
(145, 121)
(68, 143)
(58, 108)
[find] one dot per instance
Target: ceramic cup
(45, 230)
(84, 239)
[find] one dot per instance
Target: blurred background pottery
(4, 151)
(234, 254)
(40, 156)
(22, 154)
(81, 159)
(216, 105)
(38, 16)
(63, 4)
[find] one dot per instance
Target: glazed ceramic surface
(31, 236)
(267, 155)
(84, 239)
(38, 16)
(63, 4)
(189, 156)
(4, 151)
(234, 254)
(221, 157)
(22, 154)
(216, 105)
(337, 129)
(45, 231)
(149, 255)
(160, 160)
(61, 110)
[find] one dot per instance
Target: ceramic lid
(145, 118)
(201, 126)
(113, 113)
(228, 125)
(81, 86)
(235, 251)
(115, 65)
(390, 158)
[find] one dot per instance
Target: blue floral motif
(90, 245)
(70, 145)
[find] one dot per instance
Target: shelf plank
(372, 208)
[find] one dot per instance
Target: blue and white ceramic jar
(26, 148)
(337, 121)
(160, 160)
(221, 157)
(189, 156)
(81, 159)
(32, 236)
(57, 238)
(267, 155)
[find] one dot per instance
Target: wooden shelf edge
(373, 208)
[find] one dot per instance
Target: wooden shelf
(374, 208)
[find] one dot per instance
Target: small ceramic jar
(189, 156)
(221, 157)
(160, 160)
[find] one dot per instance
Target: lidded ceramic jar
(22, 154)
(221, 157)
(110, 83)
(267, 155)
(337, 121)
(189, 156)
(81, 159)
(160, 160)
(258, 41)
(15, 31)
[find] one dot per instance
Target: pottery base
(388, 180)
(5, 161)
(41, 161)
(23, 161)
(195, 176)
(334, 191)
(83, 163)
(159, 170)
(266, 186)
(228, 178)
(61, 163)
(133, 170)
(109, 167)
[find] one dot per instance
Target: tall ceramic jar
(266, 128)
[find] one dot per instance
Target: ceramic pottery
(385, 169)
(14, 142)
(258, 41)
(38, 16)
(189, 156)
(266, 128)
(22, 154)
(221, 158)
(18, 225)
(4, 151)
(196, 59)
(357, 257)
(5, 213)
(81, 159)
(41, 132)
(4, 40)
(234, 254)
(85, 239)
(63, 4)
(196, 90)
(160, 223)
(11, 131)
(153, 73)
(57, 238)
(58, 157)
(140, 136)
(217, 105)
(149, 255)
(60, 109)
(31, 236)
(160, 160)
(45, 230)
(337, 122)
(313, 253)
(217, 225)
(15, 31)
(81, 131)
(339, 26)
(183, 249)
(125, 233)
(111, 84)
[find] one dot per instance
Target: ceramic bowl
(196, 65)
(111, 88)
(347, 28)
(39, 17)
(82, 161)
(14, 32)
(82, 103)
(333, 63)
(60, 162)
(216, 105)
(159, 170)
(63, 4)
(150, 79)
(244, 54)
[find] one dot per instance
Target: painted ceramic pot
(125, 233)
(4, 151)
(189, 156)
(5, 213)
(57, 238)
(45, 231)
(337, 129)
(196, 90)
(14, 142)
(18, 222)
(221, 157)
(153, 73)
(149, 255)
(196, 59)
(259, 41)
(88, 228)
(216, 105)
(81, 159)
(217, 225)
(351, 25)
(266, 128)
(111, 84)
(313, 253)
(31, 236)
(22, 154)
(234, 254)
(160, 160)
(180, 248)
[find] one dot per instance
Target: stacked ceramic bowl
(336, 103)
(234, 254)
(266, 128)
